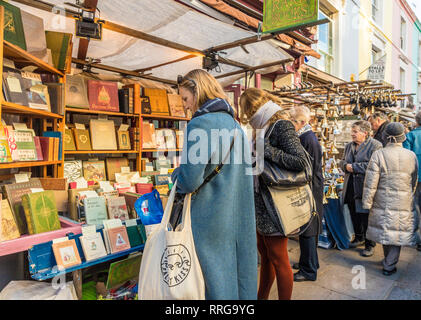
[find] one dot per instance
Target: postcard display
(84, 143)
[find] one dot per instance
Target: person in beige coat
(389, 186)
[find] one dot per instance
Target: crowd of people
(232, 221)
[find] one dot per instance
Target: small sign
(284, 14)
(125, 169)
(21, 177)
(376, 71)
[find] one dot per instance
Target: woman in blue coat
(222, 211)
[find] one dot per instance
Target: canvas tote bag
(170, 269)
(294, 205)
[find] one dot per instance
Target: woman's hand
(349, 168)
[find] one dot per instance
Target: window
(403, 34)
(375, 54)
(325, 44)
(375, 9)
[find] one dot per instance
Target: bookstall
(88, 143)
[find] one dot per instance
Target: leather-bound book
(103, 95)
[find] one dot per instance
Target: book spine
(131, 100)
(38, 149)
(27, 210)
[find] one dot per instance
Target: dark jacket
(286, 150)
(379, 134)
(359, 160)
(311, 144)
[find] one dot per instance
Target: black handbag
(274, 176)
(177, 208)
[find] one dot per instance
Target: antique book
(38, 149)
(95, 210)
(103, 135)
(103, 95)
(54, 183)
(93, 246)
(82, 139)
(124, 270)
(175, 103)
(72, 170)
(47, 146)
(59, 43)
(33, 27)
(163, 189)
(14, 193)
(13, 26)
(56, 134)
(25, 145)
(123, 100)
(37, 93)
(41, 212)
(56, 93)
(144, 188)
(148, 136)
(170, 138)
(119, 240)
(159, 164)
(76, 92)
(123, 140)
(130, 200)
(8, 226)
(146, 105)
(134, 235)
(69, 140)
(117, 208)
(158, 100)
(162, 179)
(66, 253)
(160, 139)
(5, 155)
(114, 165)
(13, 86)
(180, 139)
(94, 170)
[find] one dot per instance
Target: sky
(416, 6)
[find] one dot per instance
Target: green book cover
(13, 26)
(124, 270)
(25, 145)
(134, 236)
(95, 210)
(58, 42)
(41, 212)
(142, 232)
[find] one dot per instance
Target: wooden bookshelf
(161, 150)
(99, 151)
(161, 117)
(87, 111)
(48, 120)
(13, 108)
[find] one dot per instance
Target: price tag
(21, 177)
(163, 171)
(80, 126)
(125, 169)
(131, 222)
(60, 239)
(123, 127)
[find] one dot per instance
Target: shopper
(356, 157)
(222, 211)
(284, 148)
(391, 179)
(413, 143)
(309, 262)
(378, 122)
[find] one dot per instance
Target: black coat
(286, 150)
(311, 144)
(379, 134)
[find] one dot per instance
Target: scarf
(304, 129)
(259, 122)
(214, 105)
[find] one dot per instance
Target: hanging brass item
(331, 193)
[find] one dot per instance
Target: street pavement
(346, 275)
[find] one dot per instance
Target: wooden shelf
(163, 117)
(26, 164)
(158, 150)
(13, 108)
(119, 114)
(98, 151)
(20, 56)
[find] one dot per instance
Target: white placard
(21, 177)
(81, 183)
(80, 126)
(123, 127)
(35, 190)
(20, 126)
(125, 169)
(106, 186)
(60, 239)
(86, 230)
(131, 222)
(163, 171)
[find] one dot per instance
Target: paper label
(20, 126)
(81, 183)
(123, 127)
(131, 222)
(163, 171)
(106, 186)
(60, 239)
(21, 177)
(125, 169)
(80, 126)
(86, 230)
(35, 190)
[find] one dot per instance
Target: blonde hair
(253, 98)
(301, 113)
(203, 86)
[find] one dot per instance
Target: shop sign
(376, 71)
(279, 15)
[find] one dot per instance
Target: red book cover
(38, 148)
(45, 145)
(144, 188)
(103, 95)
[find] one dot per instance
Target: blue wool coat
(413, 143)
(222, 212)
